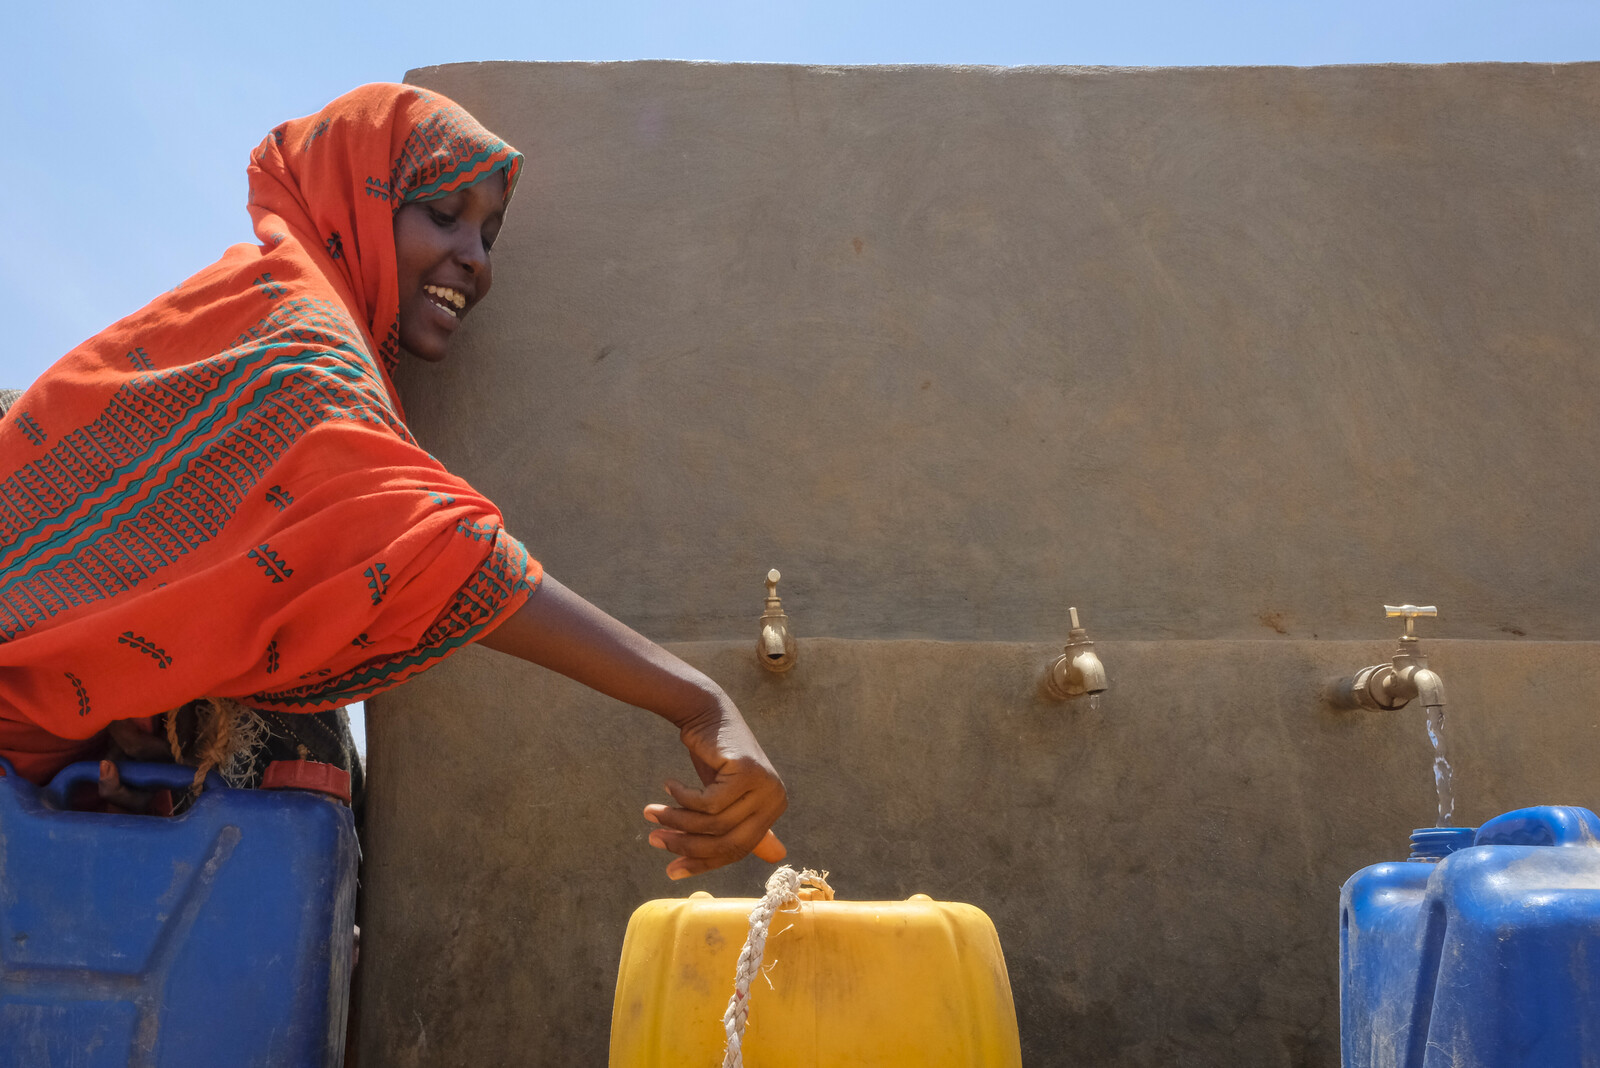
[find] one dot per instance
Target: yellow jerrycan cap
(916, 983)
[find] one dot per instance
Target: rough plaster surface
(1207, 353)
(1163, 871)
(1212, 354)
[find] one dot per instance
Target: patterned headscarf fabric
(218, 496)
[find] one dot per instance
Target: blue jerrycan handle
(138, 774)
(1545, 825)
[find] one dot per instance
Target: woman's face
(443, 251)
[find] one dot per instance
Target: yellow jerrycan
(841, 984)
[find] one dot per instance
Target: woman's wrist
(710, 707)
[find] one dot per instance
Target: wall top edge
(1385, 641)
(425, 73)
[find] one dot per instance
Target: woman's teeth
(444, 297)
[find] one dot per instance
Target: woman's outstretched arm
(740, 795)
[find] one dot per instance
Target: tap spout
(1429, 687)
(1413, 678)
(1077, 671)
(772, 639)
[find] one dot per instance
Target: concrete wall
(1226, 358)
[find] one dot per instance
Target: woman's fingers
(735, 797)
(706, 846)
(732, 783)
(110, 779)
(735, 840)
(711, 799)
(696, 852)
(691, 821)
(113, 792)
(706, 840)
(768, 849)
(684, 867)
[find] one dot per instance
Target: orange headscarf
(218, 496)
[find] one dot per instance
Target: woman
(215, 504)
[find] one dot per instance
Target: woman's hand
(729, 814)
(740, 795)
(132, 740)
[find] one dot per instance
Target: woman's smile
(452, 301)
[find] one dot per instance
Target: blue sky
(127, 126)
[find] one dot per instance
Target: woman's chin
(427, 355)
(427, 349)
(426, 331)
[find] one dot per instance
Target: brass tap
(775, 647)
(1406, 677)
(1077, 671)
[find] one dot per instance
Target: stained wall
(1227, 358)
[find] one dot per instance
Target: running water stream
(1441, 765)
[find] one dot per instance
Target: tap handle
(1078, 636)
(1409, 612)
(772, 582)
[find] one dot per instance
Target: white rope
(782, 888)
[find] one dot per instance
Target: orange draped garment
(218, 496)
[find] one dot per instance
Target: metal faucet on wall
(775, 645)
(1393, 685)
(1077, 671)
(1406, 677)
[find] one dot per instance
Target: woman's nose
(472, 255)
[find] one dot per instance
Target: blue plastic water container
(1488, 956)
(218, 938)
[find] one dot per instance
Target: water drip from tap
(1442, 775)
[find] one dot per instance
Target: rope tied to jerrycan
(782, 888)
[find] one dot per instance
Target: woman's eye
(442, 218)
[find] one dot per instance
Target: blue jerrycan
(218, 938)
(1489, 957)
